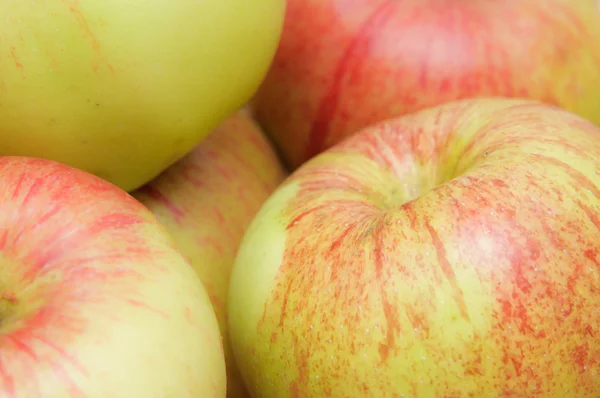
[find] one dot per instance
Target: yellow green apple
(123, 89)
(206, 201)
(95, 299)
(453, 252)
(342, 65)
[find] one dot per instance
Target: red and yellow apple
(95, 300)
(123, 89)
(206, 201)
(453, 252)
(343, 65)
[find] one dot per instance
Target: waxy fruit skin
(343, 65)
(453, 252)
(95, 300)
(207, 200)
(125, 88)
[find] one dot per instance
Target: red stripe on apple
(450, 252)
(92, 283)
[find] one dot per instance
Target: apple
(453, 252)
(206, 201)
(343, 65)
(95, 299)
(123, 89)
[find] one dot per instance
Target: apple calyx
(9, 296)
(8, 302)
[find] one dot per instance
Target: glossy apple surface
(207, 200)
(343, 65)
(123, 89)
(453, 252)
(95, 301)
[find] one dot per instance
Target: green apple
(95, 300)
(453, 252)
(343, 65)
(206, 201)
(123, 89)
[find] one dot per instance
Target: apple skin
(207, 200)
(453, 252)
(95, 300)
(123, 89)
(343, 65)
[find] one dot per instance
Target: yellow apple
(453, 252)
(206, 201)
(123, 89)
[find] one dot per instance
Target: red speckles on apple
(484, 282)
(580, 182)
(581, 356)
(448, 271)
(341, 285)
(87, 33)
(13, 54)
(82, 22)
(593, 255)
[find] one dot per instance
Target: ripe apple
(123, 89)
(453, 252)
(343, 65)
(206, 201)
(95, 300)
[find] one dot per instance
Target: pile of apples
(301, 198)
